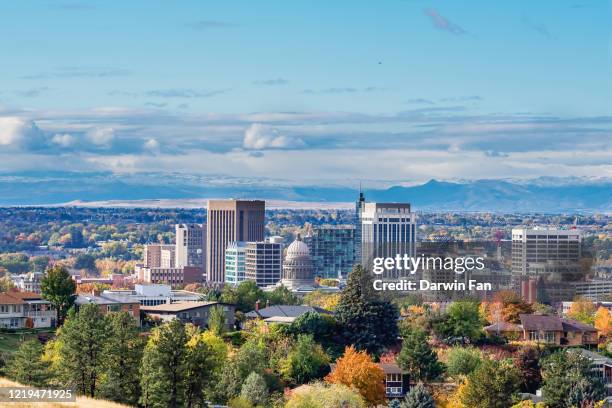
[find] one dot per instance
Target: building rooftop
(285, 310)
(6, 299)
(532, 322)
(177, 307)
(100, 300)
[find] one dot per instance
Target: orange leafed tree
(582, 310)
(603, 321)
(507, 306)
(356, 369)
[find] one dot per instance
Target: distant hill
(537, 195)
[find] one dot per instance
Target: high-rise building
(298, 271)
(190, 245)
(545, 252)
(153, 254)
(263, 262)
(387, 229)
(332, 249)
(359, 205)
(235, 262)
(230, 221)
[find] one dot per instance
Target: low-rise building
(196, 313)
(171, 276)
(28, 282)
(152, 295)
(283, 313)
(108, 304)
(26, 310)
(546, 329)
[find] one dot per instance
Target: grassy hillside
(80, 402)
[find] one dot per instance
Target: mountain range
(546, 194)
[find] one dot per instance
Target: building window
(394, 377)
(394, 390)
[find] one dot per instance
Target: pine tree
(123, 353)
(255, 389)
(82, 349)
(58, 287)
(163, 367)
(418, 358)
(26, 365)
(418, 397)
(367, 322)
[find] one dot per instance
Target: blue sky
(398, 91)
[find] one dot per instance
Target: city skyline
(409, 91)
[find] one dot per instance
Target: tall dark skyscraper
(230, 221)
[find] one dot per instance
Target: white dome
(297, 249)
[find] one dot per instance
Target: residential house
(397, 381)
(196, 313)
(284, 314)
(26, 310)
(546, 329)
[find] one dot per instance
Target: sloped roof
(25, 295)
(573, 325)
(176, 307)
(541, 322)
(503, 327)
(6, 299)
(285, 310)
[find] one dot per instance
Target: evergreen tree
(418, 358)
(26, 366)
(491, 385)
(418, 397)
(395, 403)
(229, 385)
(569, 380)
(255, 389)
(163, 367)
(82, 339)
(122, 355)
(58, 287)
(367, 322)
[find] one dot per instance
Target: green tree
(491, 385)
(569, 380)
(282, 296)
(322, 327)
(59, 289)
(418, 397)
(26, 366)
(198, 367)
(82, 339)
(247, 293)
(366, 322)
(462, 322)
(255, 389)
(39, 263)
(163, 367)
(217, 321)
(418, 358)
(85, 261)
(462, 361)
(528, 363)
(122, 355)
(307, 361)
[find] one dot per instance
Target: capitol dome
(298, 249)
(298, 270)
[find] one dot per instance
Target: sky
(397, 91)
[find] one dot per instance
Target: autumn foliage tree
(356, 369)
(582, 310)
(603, 322)
(506, 306)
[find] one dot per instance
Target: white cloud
(102, 137)
(63, 140)
(151, 145)
(19, 132)
(259, 136)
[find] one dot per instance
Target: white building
(263, 262)
(387, 229)
(152, 295)
(235, 262)
(540, 251)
